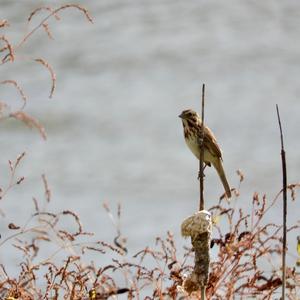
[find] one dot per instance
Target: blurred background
(113, 129)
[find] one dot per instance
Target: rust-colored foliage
(238, 267)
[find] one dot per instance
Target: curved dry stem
(53, 13)
(10, 56)
(46, 8)
(53, 76)
(3, 23)
(19, 89)
(29, 121)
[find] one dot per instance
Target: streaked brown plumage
(212, 153)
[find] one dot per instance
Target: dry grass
(242, 256)
(9, 53)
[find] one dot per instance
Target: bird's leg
(199, 173)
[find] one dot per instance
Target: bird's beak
(180, 116)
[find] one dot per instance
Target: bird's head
(189, 115)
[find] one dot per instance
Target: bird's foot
(199, 173)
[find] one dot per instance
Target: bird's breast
(192, 143)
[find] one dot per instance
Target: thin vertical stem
(201, 161)
(201, 171)
(284, 196)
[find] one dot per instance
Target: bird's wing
(211, 143)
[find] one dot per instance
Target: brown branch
(202, 258)
(201, 161)
(284, 196)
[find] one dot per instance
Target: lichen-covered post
(198, 227)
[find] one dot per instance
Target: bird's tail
(219, 167)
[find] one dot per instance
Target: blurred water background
(112, 126)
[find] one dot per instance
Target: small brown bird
(192, 124)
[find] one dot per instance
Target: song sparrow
(212, 153)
